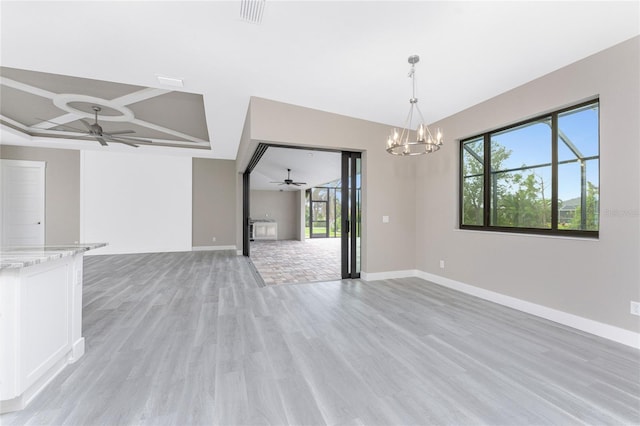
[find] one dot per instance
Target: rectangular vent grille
(251, 11)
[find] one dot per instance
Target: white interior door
(22, 209)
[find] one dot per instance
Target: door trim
(42, 165)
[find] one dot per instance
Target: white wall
(136, 203)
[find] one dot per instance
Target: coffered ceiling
(344, 57)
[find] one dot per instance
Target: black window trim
(485, 137)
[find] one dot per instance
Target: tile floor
(289, 261)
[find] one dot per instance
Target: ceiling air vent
(251, 11)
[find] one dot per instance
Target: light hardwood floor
(188, 338)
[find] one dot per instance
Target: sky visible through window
(530, 145)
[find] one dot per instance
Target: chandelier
(409, 142)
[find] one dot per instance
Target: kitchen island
(40, 317)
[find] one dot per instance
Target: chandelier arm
(407, 127)
(420, 114)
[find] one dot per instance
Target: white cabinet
(265, 230)
(40, 326)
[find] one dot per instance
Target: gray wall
(214, 202)
(591, 279)
(280, 206)
(62, 199)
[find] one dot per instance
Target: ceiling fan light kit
(408, 142)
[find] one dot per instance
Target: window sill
(525, 234)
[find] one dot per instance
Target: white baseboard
(375, 276)
(110, 250)
(77, 350)
(610, 332)
(213, 248)
(21, 401)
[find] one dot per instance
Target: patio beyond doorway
(291, 261)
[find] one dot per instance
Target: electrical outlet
(442, 264)
(213, 239)
(635, 308)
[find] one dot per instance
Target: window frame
(485, 137)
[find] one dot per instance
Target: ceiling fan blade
(130, 138)
(101, 140)
(124, 142)
(119, 132)
(86, 123)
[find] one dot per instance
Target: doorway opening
(301, 214)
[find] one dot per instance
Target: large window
(538, 176)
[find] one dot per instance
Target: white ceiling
(344, 57)
(311, 167)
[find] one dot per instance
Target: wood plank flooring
(188, 338)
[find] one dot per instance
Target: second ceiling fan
(288, 181)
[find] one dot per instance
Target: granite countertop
(22, 257)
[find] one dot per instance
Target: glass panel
(338, 213)
(521, 199)
(320, 229)
(307, 214)
(473, 201)
(319, 219)
(319, 211)
(574, 198)
(524, 146)
(578, 133)
(319, 194)
(578, 171)
(358, 211)
(473, 182)
(521, 176)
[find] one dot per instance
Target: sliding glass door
(351, 213)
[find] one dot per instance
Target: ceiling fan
(289, 181)
(95, 131)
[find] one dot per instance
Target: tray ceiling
(51, 105)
